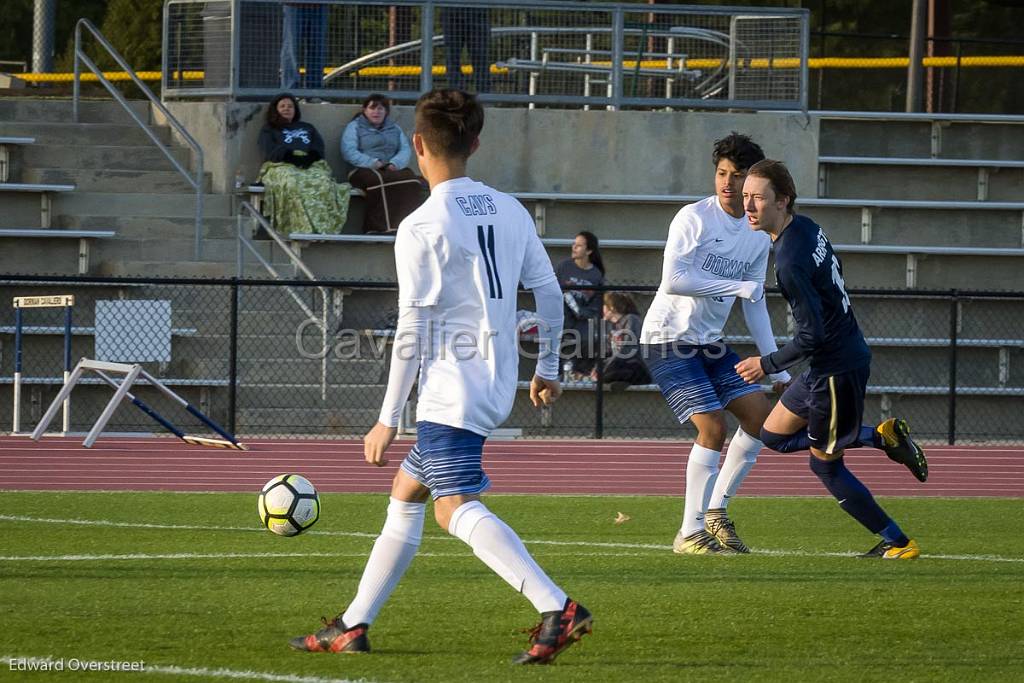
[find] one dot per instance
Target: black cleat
(900, 448)
(555, 632)
(334, 637)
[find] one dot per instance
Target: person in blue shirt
(822, 409)
(379, 151)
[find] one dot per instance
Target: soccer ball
(288, 505)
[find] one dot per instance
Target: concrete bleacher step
(181, 204)
(172, 269)
(171, 249)
(85, 133)
(116, 180)
(914, 138)
(126, 157)
(631, 265)
(60, 111)
(844, 225)
(921, 182)
(152, 227)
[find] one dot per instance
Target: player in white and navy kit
(711, 259)
(460, 259)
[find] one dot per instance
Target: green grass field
(204, 589)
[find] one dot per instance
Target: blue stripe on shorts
(447, 460)
(696, 378)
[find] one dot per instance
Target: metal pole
(236, 49)
(599, 398)
(233, 356)
(805, 54)
(165, 41)
(200, 182)
(16, 427)
(427, 53)
(915, 70)
(67, 367)
(953, 323)
(78, 74)
(618, 51)
(956, 79)
(42, 35)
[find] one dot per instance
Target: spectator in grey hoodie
(380, 152)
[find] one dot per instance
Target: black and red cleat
(555, 632)
(334, 637)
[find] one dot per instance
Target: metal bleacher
(45, 190)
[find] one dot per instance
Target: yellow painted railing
(438, 70)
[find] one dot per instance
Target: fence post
(953, 322)
(599, 389)
(427, 48)
(618, 52)
(233, 356)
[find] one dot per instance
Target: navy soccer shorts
(447, 460)
(696, 378)
(833, 406)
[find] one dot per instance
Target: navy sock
(854, 498)
(893, 534)
(786, 443)
(869, 436)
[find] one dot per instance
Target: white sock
(392, 552)
(739, 460)
(501, 549)
(701, 472)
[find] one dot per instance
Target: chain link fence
(258, 358)
(565, 53)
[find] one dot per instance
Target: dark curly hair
(274, 119)
(739, 149)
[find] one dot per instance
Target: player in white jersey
(460, 259)
(710, 260)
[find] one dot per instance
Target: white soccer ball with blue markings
(289, 505)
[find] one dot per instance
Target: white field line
(51, 664)
(354, 534)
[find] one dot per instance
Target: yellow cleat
(699, 543)
(890, 551)
(718, 524)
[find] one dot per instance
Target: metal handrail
(297, 263)
(197, 181)
(438, 39)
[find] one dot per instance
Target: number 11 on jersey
(490, 262)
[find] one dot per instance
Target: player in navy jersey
(460, 258)
(822, 409)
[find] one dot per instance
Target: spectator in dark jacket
(584, 269)
(623, 364)
(301, 194)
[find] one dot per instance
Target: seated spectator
(380, 151)
(623, 364)
(582, 306)
(301, 194)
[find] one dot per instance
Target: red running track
(567, 467)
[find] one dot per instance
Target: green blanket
(304, 200)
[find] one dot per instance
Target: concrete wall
(541, 150)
